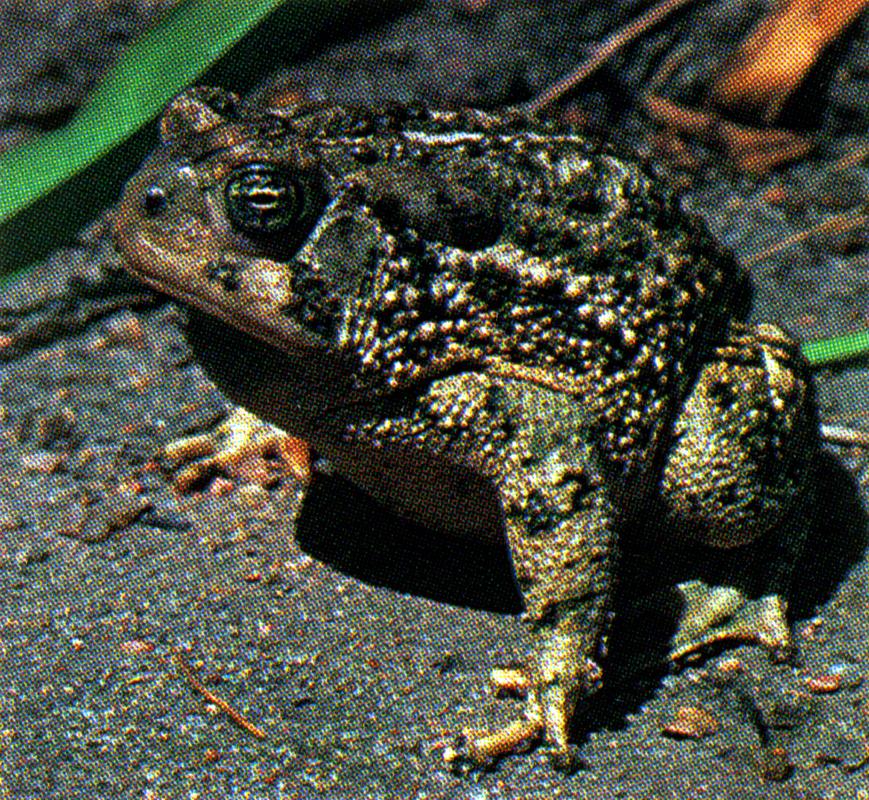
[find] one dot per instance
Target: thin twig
(227, 709)
(838, 224)
(853, 158)
(603, 52)
(841, 434)
(674, 59)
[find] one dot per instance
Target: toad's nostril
(154, 201)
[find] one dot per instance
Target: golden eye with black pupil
(264, 199)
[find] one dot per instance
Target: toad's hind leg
(560, 526)
(739, 468)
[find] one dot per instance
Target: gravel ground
(359, 646)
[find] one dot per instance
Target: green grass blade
(161, 63)
(846, 347)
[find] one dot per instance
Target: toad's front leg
(560, 526)
(531, 444)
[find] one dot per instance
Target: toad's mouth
(249, 297)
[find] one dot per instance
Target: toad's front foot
(477, 749)
(243, 447)
(552, 696)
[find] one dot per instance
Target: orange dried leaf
(691, 722)
(775, 58)
(824, 684)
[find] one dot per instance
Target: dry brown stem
(754, 150)
(225, 707)
(841, 223)
(605, 51)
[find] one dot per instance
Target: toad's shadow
(343, 527)
(647, 606)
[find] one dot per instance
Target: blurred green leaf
(151, 72)
(53, 185)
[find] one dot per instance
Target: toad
(453, 307)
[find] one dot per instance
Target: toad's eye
(264, 199)
(154, 201)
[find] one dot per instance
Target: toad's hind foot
(479, 749)
(722, 614)
(242, 446)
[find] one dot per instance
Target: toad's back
(507, 241)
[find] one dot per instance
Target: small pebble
(123, 508)
(810, 629)
(691, 722)
(296, 456)
(775, 764)
(56, 425)
(136, 647)
(253, 495)
(124, 329)
(42, 461)
(851, 674)
(220, 486)
(824, 684)
(731, 666)
(9, 522)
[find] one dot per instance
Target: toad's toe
(551, 698)
(476, 749)
(510, 681)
